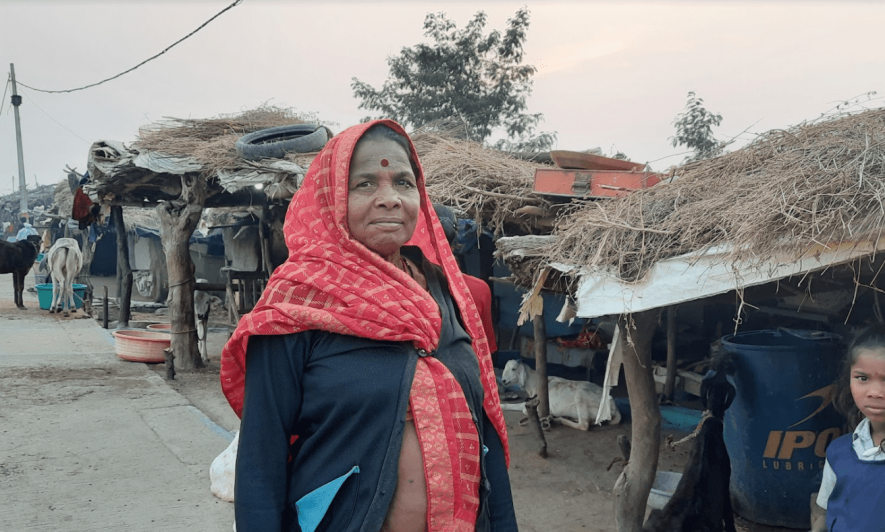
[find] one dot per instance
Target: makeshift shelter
(179, 167)
(801, 210)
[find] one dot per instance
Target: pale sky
(611, 74)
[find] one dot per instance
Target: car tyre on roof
(276, 142)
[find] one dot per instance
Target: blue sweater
(857, 502)
(346, 398)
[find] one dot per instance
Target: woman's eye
(861, 378)
(406, 183)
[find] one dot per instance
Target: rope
(182, 282)
(707, 415)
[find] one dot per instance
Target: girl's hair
(871, 338)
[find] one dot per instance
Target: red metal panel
(594, 183)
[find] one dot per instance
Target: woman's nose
(387, 197)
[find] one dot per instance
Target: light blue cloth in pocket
(313, 506)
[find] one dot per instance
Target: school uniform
(849, 490)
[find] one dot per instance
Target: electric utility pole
(16, 101)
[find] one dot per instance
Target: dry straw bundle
(486, 184)
(788, 190)
(212, 141)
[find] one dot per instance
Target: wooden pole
(634, 484)
(670, 383)
(124, 270)
(178, 219)
(531, 409)
(541, 366)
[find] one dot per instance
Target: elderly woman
(363, 376)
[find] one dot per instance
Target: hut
(787, 230)
(178, 168)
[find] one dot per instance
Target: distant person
(373, 354)
(26, 230)
(853, 487)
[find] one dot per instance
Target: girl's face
(868, 384)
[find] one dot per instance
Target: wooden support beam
(178, 219)
(633, 486)
(124, 270)
(670, 382)
(541, 366)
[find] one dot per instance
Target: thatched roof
(484, 184)
(149, 169)
(813, 184)
(488, 185)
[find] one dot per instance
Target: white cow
(568, 399)
(204, 302)
(64, 260)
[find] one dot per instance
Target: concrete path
(90, 442)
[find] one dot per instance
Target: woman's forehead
(377, 154)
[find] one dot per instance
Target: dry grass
(212, 141)
(816, 183)
(486, 184)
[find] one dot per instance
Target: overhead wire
(54, 120)
(3, 101)
(203, 25)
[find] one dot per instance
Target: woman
(367, 349)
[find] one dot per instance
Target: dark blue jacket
(857, 501)
(346, 398)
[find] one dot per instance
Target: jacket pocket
(313, 507)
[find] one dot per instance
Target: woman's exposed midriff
(408, 510)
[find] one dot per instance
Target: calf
(568, 399)
(18, 258)
(701, 501)
(65, 261)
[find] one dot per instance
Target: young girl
(852, 490)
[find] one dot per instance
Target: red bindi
(384, 163)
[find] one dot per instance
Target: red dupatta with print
(331, 282)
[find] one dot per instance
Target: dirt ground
(570, 490)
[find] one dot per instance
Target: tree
(694, 129)
(466, 77)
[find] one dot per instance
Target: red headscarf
(331, 282)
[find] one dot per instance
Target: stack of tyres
(781, 422)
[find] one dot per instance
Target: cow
(65, 261)
(18, 258)
(568, 399)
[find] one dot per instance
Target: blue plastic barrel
(781, 422)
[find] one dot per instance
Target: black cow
(18, 258)
(701, 501)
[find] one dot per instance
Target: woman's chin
(387, 250)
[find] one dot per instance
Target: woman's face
(868, 384)
(382, 200)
